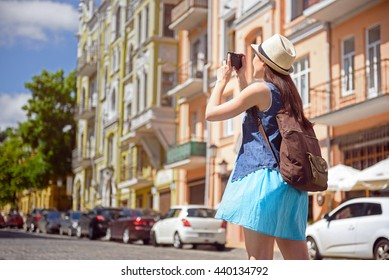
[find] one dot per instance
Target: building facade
(125, 120)
(146, 70)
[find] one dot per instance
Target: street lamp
(212, 151)
(223, 169)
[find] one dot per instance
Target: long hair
(291, 99)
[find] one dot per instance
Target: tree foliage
(41, 148)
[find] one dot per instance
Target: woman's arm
(256, 94)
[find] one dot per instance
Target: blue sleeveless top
(254, 152)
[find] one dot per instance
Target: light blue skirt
(264, 202)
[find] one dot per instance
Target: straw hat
(278, 53)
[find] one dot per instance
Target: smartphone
(236, 60)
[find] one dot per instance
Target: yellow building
(126, 122)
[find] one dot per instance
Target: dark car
(94, 224)
(14, 220)
(69, 222)
(131, 225)
(49, 222)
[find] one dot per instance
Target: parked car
(14, 219)
(2, 221)
(69, 222)
(189, 224)
(94, 224)
(32, 219)
(131, 225)
(49, 222)
(358, 228)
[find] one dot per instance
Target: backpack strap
(262, 130)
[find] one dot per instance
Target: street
(20, 245)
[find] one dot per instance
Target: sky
(34, 35)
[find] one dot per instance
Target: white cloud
(35, 20)
(11, 109)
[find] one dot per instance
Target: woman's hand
(241, 73)
(225, 71)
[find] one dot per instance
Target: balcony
(361, 101)
(335, 10)
(189, 14)
(81, 158)
(87, 63)
(83, 112)
(189, 155)
(135, 177)
(189, 80)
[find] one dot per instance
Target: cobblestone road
(20, 245)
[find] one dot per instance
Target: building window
(167, 19)
(139, 29)
(301, 79)
(147, 22)
(193, 125)
(298, 7)
(363, 149)
(117, 31)
(129, 59)
(348, 52)
(145, 93)
(373, 63)
(167, 84)
(228, 125)
(138, 94)
(110, 150)
(113, 101)
(230, 35)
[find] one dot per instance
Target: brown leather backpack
(301, 164)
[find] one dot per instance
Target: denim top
(254, 152)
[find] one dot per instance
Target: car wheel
(313, 251)
(381, 250)
(146, 241)
(70, 233)
(126, 236)
(220, 247)
(153, 239)
(78, 232)
(177, 241)
(91, 233)
(108, 234)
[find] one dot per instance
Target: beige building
(340, 71)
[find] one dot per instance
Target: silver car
(189, 224)
(358, 228)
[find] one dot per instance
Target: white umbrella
(376, 177)
(338, 174)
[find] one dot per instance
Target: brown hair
(290, 97)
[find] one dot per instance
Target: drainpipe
(205, 90)
(328, 88)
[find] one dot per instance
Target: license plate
(206, 234)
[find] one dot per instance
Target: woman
(256, 196)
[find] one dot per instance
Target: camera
(236, 60)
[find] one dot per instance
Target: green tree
(41, 148)
(49, 129)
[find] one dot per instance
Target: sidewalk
(241, 245)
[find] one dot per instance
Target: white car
(189, 224)
(358, 228)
